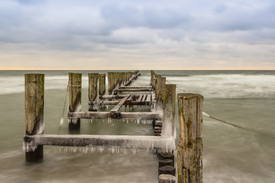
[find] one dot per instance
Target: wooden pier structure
(159, 95)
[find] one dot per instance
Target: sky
(137, 34)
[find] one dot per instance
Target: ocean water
(230, 154)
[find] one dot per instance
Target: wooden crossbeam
(123, 115)
(119, 105)
(124, 141)
(136, 87)
(116, 96)
(133, 90)
(116, 102)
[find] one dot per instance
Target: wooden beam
(116, 102)
(124, 141)
(123, 115)
(133, 90)
(136, 87)
(119, 105)
(116, 96)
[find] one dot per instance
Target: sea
(230, 154)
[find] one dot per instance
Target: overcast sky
(141, 34)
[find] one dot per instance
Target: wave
(227, 86)
(210, 86)
(16, 84)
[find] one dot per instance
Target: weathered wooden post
(115, 77)
(159, 91)
(110, 84)
(189, 157)
(75, 83)
(124, 78)
(128, 76)
(102, 85)
(168, 102)
(121, 76)
(152, 77)
(34, 114)
(92, 89)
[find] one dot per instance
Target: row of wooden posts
(189, 149)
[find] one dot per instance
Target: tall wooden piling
(92, 88)
(75, 83)
(121, 76)
(128, 76)
(34, 113)
(110, 82)
(101, 85)
(189, 160)
(168, 102)
(160, 84)
(152, 77)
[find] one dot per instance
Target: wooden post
(159, 91)
(168, 102)
(152, 77)
(128, 76)
(189, 160)
(124, 78)
(34, 114)
(102, 85)
(92, 89)
(121, 76)
(110, 84)
(75, 82)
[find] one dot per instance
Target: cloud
(175, 29)
(150, 16)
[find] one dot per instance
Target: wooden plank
(119, 105)
(124, 141)
(148, 98)
(140, 98)
(144, 98)
(123, 115)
